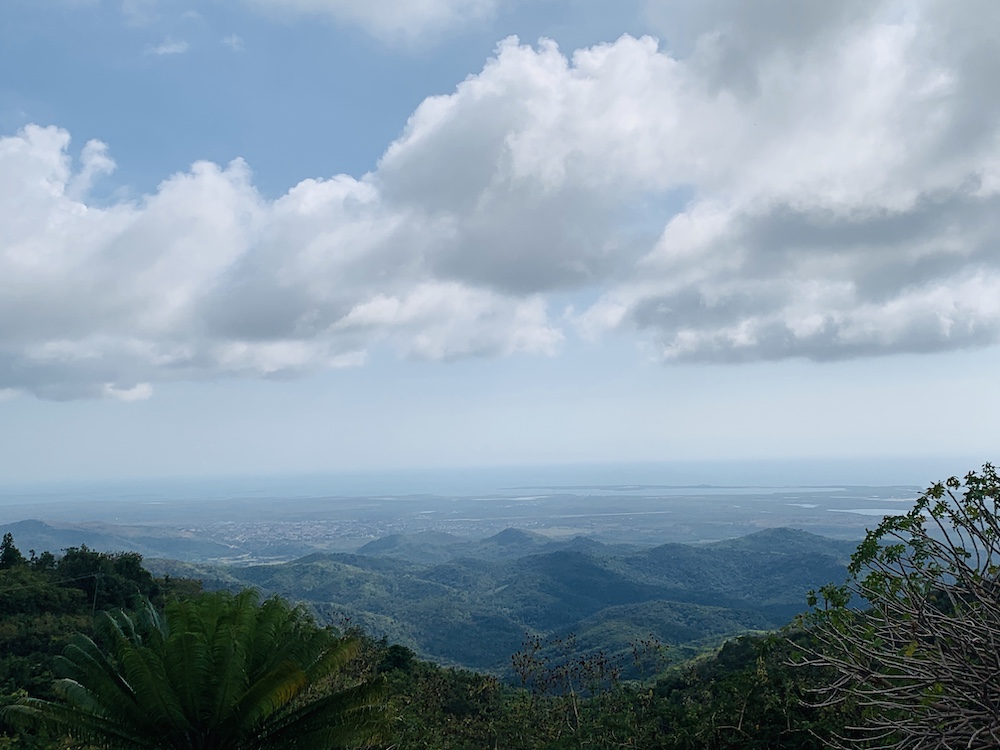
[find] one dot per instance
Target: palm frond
(357, 711)
(221, 671)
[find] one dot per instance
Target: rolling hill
(471, 604)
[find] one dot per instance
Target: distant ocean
(591, 478)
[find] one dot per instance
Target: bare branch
(922, 662)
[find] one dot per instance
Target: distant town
(247, 530)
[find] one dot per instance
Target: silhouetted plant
(216, 672)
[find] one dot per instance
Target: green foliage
(107, 580)
(692, 597)
(747, 695)
(10, 556)
(602, 689)
(44, 600)
(750, 695)
(921, 662)
(218, 671)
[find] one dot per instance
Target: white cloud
(205, 278)
(746, 196)
(138, 392)
(95, 161)
(407, 20)
(169, 47)
(234, 42)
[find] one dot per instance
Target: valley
(465, 579)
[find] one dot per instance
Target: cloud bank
(742, 195)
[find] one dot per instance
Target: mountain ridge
(475, 611)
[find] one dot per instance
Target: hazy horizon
(611, 478)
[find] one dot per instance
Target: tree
(747, 696)
(109, 580)
(10, 556)
(922, 663)
(217, 672)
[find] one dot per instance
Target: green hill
(474, 611)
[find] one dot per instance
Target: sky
(266, 236)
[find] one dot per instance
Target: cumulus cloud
(169, 47)
(234, 42)
(854, 207)
(205, 278)
(732, 195)
(406, 20)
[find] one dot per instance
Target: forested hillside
(44, 599)
(564, 693)
(474, 611)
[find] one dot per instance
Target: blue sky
(313, 235)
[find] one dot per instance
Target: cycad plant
(217, 672)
